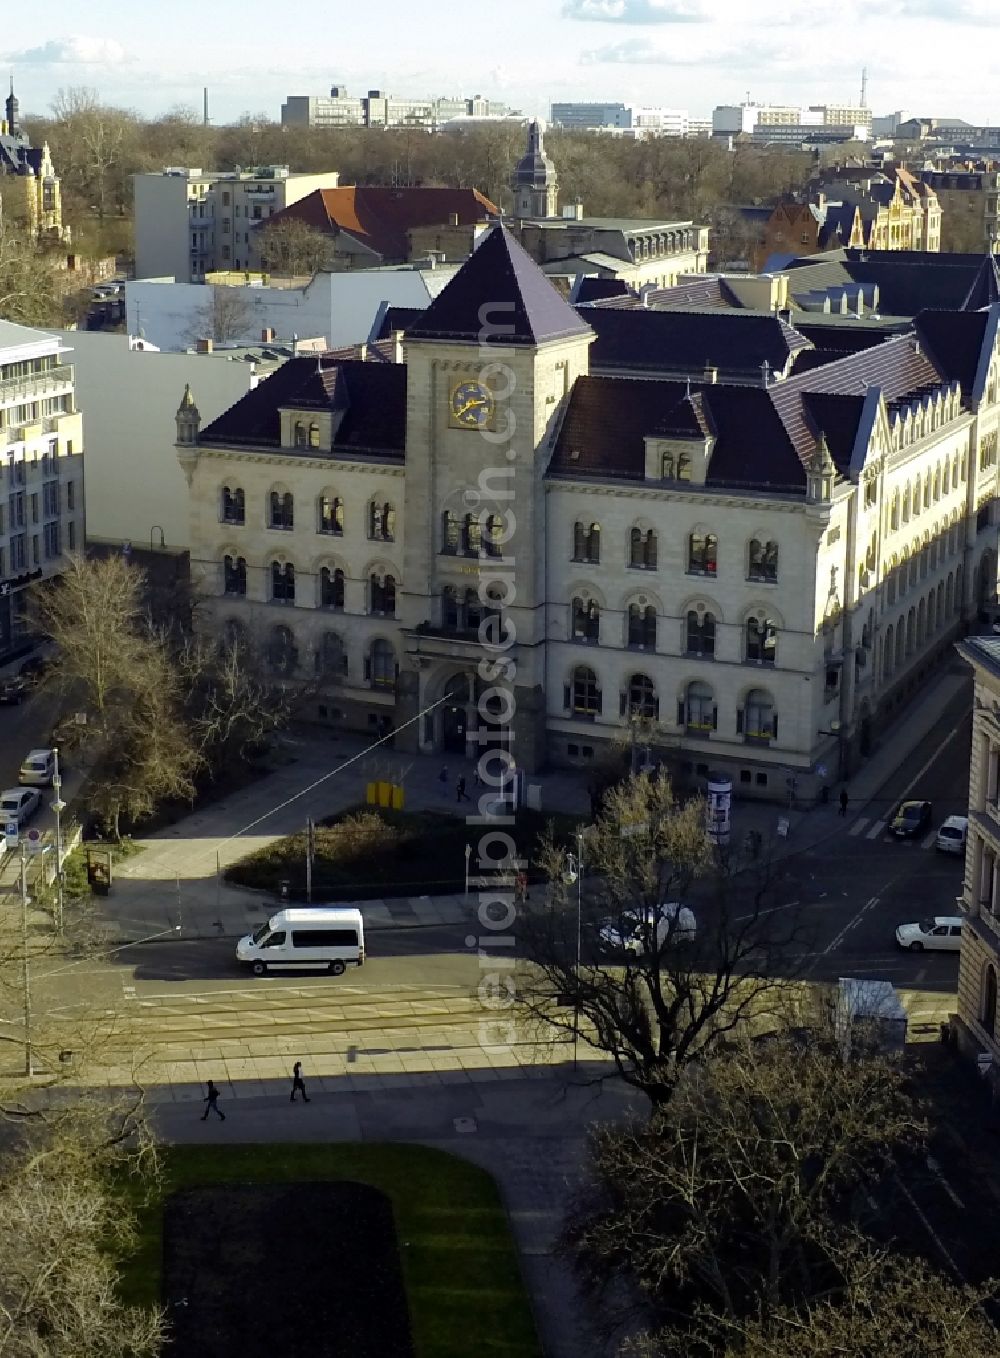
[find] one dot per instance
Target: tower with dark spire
(536, 188)
(12, 107)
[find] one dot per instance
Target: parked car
(943, 933)
(14, 689)
(911, 819)
(38, 768)
(952, 835)
(627, 934)
(19, 804)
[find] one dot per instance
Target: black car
(14, 690)
(911, 819)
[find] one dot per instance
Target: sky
(926, 57)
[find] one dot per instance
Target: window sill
(640, 566)
(762, 579)
(751, 739)
(711, 573)
(700, 732)
(583, 716)
(585, 641)
(282, 603)
(759, 664)
(330, 532)
(234, 523)
(234, 594)
(699, 655)
(372, 538)
(281, 527)
(585, 561)
(332, 608)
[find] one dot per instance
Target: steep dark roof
(985, 289)
(389, 319)
(706, 291)
(501, 296)
(844, 335)
(908, 281)
(837, 417)
(604, 431)
(371, 397)
(690, 341)
(955, 341)
(586, 290)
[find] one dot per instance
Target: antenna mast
(864, 87)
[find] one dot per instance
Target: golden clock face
(472, 405)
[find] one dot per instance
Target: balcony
(53, 382)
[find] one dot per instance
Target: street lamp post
(58, 806)
(575, 872)
(29, 1067)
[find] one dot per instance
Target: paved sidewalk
(529, 1133)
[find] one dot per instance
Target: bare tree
(224, 317)
(93, 143)
(230, 708)
(121, 677)
(651, 992)
(30, 291)
(729, 1206)
(289, 246)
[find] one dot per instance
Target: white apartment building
(378, 109)
(763, 570)
(661, 122)
(190, 222)
(730, 120)
(41, 471)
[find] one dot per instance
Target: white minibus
(306, 938)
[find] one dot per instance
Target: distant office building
(378, 109)
(781, 122)
(889, 124)
(662, 122)
(585, 117)
(190, 222)
(811, 133)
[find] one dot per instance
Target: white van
(306, 938)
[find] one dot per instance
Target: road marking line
(936, 1170)
(839, 938)
(928, 840)
(930, 1230)
(904, 794)
(876, 830)
(858, 825)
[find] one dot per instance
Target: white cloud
(642, 52)
(77, 51)
(636, 11)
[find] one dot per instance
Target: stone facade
(763, 617)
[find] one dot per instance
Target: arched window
(449, 533)
(667, 467)
(762, 560)
(587, 542)
(642, 549)
(988, 1010)
(300, 434)
(493, 539)
(234, 504)
(234, 636)
(702, 550)
(586, 620)
(582, 695)
(282, 582)
(282, 653)
(696, 710)
(906, 505)
(761, 640)
(381, 521)
(235, 573)
(911, 625)
(472, 534)
(699, 634)
(900, 645)
(380, 665)
(331, 658)
(382, 595)
(642, 627)
(281, 509)
(639, 698)
(330, 515)
(894, 511)
(757, 721)
(314, 435)
(472, 609)
(331, 588)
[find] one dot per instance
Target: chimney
(363, 352)
(711, 374)
(397, 346)
(267, 335)
(204, 346)
(453, 219)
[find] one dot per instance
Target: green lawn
(418, 853)
(463, 1280)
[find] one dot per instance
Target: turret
(534, 182)
(820, 474)
(188, 418)
(12, 107)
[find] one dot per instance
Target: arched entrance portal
(455, 714)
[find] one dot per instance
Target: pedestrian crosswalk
(876, 829)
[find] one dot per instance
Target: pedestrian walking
(477, 777)
(843, 801)
(443, 778)
(460, 793)
(211, 1102)
(521, 890)
(298, 1084)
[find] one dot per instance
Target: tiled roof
(907, 281)
(499, 294)
(702, 292)
(380, 216)
(689, 341)
(844, 334)
(372, 397)
(608, 419)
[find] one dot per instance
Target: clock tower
(490, 365)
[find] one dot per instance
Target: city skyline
(678, 53)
